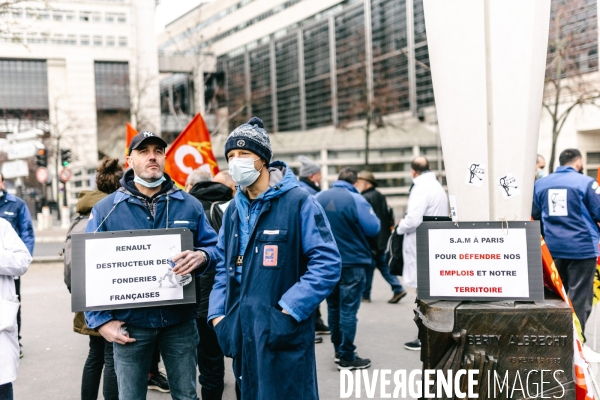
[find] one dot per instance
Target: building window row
(316, 75)
(69, 39)
(220, 15)
(66, 15)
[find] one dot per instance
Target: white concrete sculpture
(487, 62)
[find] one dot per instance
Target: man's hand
(187, 261)
(217, 320)
(283, 310)
(111, 331)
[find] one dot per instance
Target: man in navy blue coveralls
(279, 260)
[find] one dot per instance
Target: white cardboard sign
(478, 263)
(132, 269)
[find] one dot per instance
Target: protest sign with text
(128, 269)
(479, 261)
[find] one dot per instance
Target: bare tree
(12, 27)
(390, 90)
(143, 82)
(571, 55)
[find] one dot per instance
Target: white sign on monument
(481, 262)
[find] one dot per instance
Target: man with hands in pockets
(278, 261)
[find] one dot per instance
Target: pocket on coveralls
(225, 337)
(285, 333)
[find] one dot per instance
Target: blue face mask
(149, 185)
(242, 171)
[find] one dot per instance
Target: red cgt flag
(191, 150)
(130, 132)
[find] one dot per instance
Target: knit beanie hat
(250, 136)
(308, 166)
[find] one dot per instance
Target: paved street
(47, 249)
(54, 354)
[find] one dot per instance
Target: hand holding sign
(111, 331)
(187, 261)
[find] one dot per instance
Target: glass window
(110, 18)
(260, 85)
(97, 40)
(44, 15)
(71, 40)
(428, 151)
(593, 158)
(121, 18)
(110, 41)
(85, 16)
(96, 17)
(23, 85)
(84, 40)
(122, 41)
(17, 13)
(70, 16)
(57, 16)
(236, 90)
(57, 39)
(286, 58)
(112, 85)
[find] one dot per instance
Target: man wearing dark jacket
(366, 185)
(352, 221)
(568, 204)
(146, 200)
(309, 175)
(215, 198)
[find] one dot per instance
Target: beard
(146, 175)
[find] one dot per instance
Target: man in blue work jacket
(279, 260)
(148, 199)
(15, 211)
(568, 204)
(352, 220)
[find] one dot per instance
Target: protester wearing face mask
(147, 199)
(278, 261)
(568, 204)
(540, 165)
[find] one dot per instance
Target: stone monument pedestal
(529, 342)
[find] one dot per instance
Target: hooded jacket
(128, 209)
(352, 221)
(380, 206)
(14, 261)
(208, 193)
(308, 185)
(87, 200)
(291, 262)
(15, 211)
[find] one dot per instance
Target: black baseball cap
(145, 137)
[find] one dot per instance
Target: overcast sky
(168, 10)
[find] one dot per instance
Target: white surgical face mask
(540, 173)
(242, 171)
(149, 185)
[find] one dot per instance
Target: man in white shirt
(427, 198)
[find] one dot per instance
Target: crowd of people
(269, 248)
